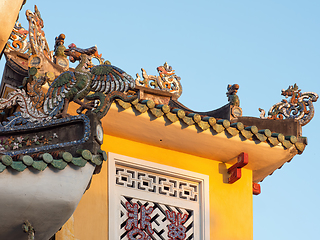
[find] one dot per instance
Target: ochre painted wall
(230, 204)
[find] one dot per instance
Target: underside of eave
(178, 136)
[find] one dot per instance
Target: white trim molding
(154, 201)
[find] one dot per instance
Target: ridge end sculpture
(299, 106)
(166, 81)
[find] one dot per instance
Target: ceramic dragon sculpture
(101, 83)
(299, 106)
(166, 81)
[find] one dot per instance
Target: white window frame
(114, 192)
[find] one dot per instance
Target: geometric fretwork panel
(156, 183)
(148, 220)
(151, 201)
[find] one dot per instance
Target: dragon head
(165, 70)
(75, 53)
(232, 89)
(291, 91)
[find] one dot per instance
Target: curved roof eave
(206, 137)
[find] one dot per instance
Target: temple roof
(144, 109)
(217, 139)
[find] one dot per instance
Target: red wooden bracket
(256, 188)
(235, 170)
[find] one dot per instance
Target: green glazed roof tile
(59, 164)
(292, 139)
(238, 125)
(141, 107)
(253, 129)
(300, 146)
(195, 117)
(287, 144)
(6, 160)
(86, 154)
(204, 125)
(273, 141)
(246, 134)
(150, 104)
(180, 113)
(103, 154)
(156, 112)
(46, 159)
(2, 167)
(66, 156)
(18, 165)
(220, 125)
(164, 108)
(172, 117)
(80, 162)
(39, 165)
(123, 104)
(97, 160)
(260, 137)
(212, 121)
(279, 136)
(188, 120)
(218, 128)
(266, 132)
(232, 131)
(225, 123)
(27, 160)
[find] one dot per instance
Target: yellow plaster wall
(230, 204)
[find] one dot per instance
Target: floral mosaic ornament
(12, 143)
(298, 107)
(166, 81)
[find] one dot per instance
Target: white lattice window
(151, 201)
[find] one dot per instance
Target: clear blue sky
(264, 46)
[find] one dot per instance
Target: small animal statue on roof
(233, 98)
(104, 82)
(298, 107)
(59, 46)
